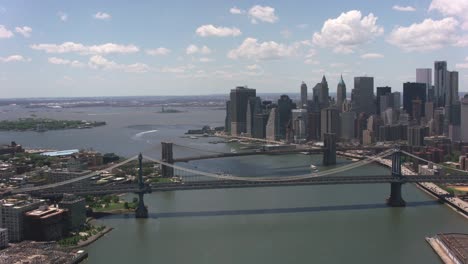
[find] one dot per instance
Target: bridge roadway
(312, 150)
(224, 184)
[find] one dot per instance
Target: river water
(304, 224)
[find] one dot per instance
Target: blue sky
(96, 48)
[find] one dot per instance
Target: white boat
(193, 137)
(313, 168)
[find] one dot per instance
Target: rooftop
(457, 243)
(45, 212)
(61, 153)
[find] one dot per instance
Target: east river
(305, 224)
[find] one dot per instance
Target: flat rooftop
(457, 243)
(45, 212)
(61, 153)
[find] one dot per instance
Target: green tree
(107, 199)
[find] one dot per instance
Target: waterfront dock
(451, 248)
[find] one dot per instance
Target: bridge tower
(167, 156)
(395, 199)
(329, 152)
(141, 210)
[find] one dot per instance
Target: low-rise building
(12, 215)
(3, 238)
(59, 175)
(45, 224)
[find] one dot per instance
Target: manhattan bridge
(191, 179)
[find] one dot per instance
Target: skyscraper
(424, 76)
(313, 125)
(253, 107)
(299, 123)
(412, 91)
(347, 123)
(416, 106)
(363, 95)
(381, 91)
(451, 94)
(303, 95)
(239, 100)
(464, 119)
(396, 96)
(440, 83)
(227, 120)
(260, 123)
(429, 111)
(340, 93)
(272, 125)
(285, 105)
(324, 92)
(316, 93)
(438, 127)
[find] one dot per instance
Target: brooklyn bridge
(191, 179)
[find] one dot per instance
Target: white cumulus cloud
(193, 49)
(270, 50)
(346, 32)
(102, 16)
(71, 47)
(457, 8)
(99, 62)
(60, 61)
(404, 8)
(5, 33)
(372, 56)
(427, 35)
(158, 51)
(210, 30)
(25, 31)
(14, 58)
(263, 14)
(236, 11)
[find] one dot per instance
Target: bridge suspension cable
(437, 164)
(264, 179)
(58, 184)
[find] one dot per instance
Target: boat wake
(139, 135)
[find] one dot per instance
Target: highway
(225, 184)
(77, 179)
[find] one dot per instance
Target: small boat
(193, 137)
(313, 168)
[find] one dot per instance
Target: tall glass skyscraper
(440, 83)
(362, 95)
(239, 100)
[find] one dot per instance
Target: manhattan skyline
(55, 49)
